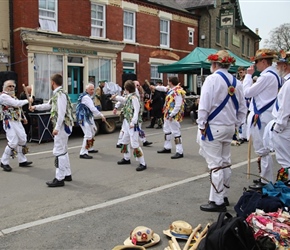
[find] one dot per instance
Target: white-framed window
(164, 33)
(155, 76)
(191, 36)
(129, 25)
(129, 67)
(44, 66)
(48, 15)
(98, 20)
(100, 69)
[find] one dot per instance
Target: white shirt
(178, 100)
(213, 93)
(61, 108)
(283, 114)
(87, 100)
(264, 90)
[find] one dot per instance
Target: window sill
(164, 48)
(130, 42)
(99, 38)
(49, 31)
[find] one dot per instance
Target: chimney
(257, 31)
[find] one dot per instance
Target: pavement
(105, 202)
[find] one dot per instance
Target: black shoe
(257, 181)
(124, 162)
(212, 207)
(25, 164)
(147, 143)
(55, 183)
(158, 127)
(176, 156)
(85, 156)
(226, 201)
(164, 151)
(93, 151)
(141, 167)
(150, 126)
(68, 178)
(118, 145)
(257, 186)
(6, 168)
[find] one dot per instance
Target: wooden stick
(171, 245)
(175, 243)
(201, 236)
(194, 231)
(249, 157)
(108, 124)
(27, 95)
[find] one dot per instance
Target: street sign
(227, 18)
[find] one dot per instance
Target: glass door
(75, 82)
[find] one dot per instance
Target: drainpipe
(11, 35)
(209, 27)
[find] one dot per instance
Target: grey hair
(7, 82)
(89, 85)
(223, 65)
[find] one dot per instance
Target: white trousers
(131, 137)
(89, 131)
(16, 138)
(171, 130)
(259, 145)
(217, 153)
(281, 143)
(121, 133)
(60, 152)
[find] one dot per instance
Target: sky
(265, 15)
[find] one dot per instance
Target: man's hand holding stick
(30, 100)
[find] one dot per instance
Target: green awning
(197, 59)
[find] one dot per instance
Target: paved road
(104, 202)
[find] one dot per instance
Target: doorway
(75, 82)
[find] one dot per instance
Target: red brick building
(92, 40)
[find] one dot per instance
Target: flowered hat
(223, 57)
(179, 229)
(283, 57)
(264, 54)
(142, 236)
(122, 247)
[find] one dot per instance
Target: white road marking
(108, 203)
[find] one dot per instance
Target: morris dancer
(281, 113)
(62, 121)
(263, 94)
(222, 108)
(85, 112)
(11, 115)
(132, 118)
(173, 115)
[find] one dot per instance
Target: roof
(187, 4)
(198, 59)
(169, 3)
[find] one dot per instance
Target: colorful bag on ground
(280, 190)
(275, 225)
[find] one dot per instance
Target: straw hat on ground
(179, 229)
(122, 247)
(142, 236)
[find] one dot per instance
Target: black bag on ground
(229, 233)
(250, 200)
